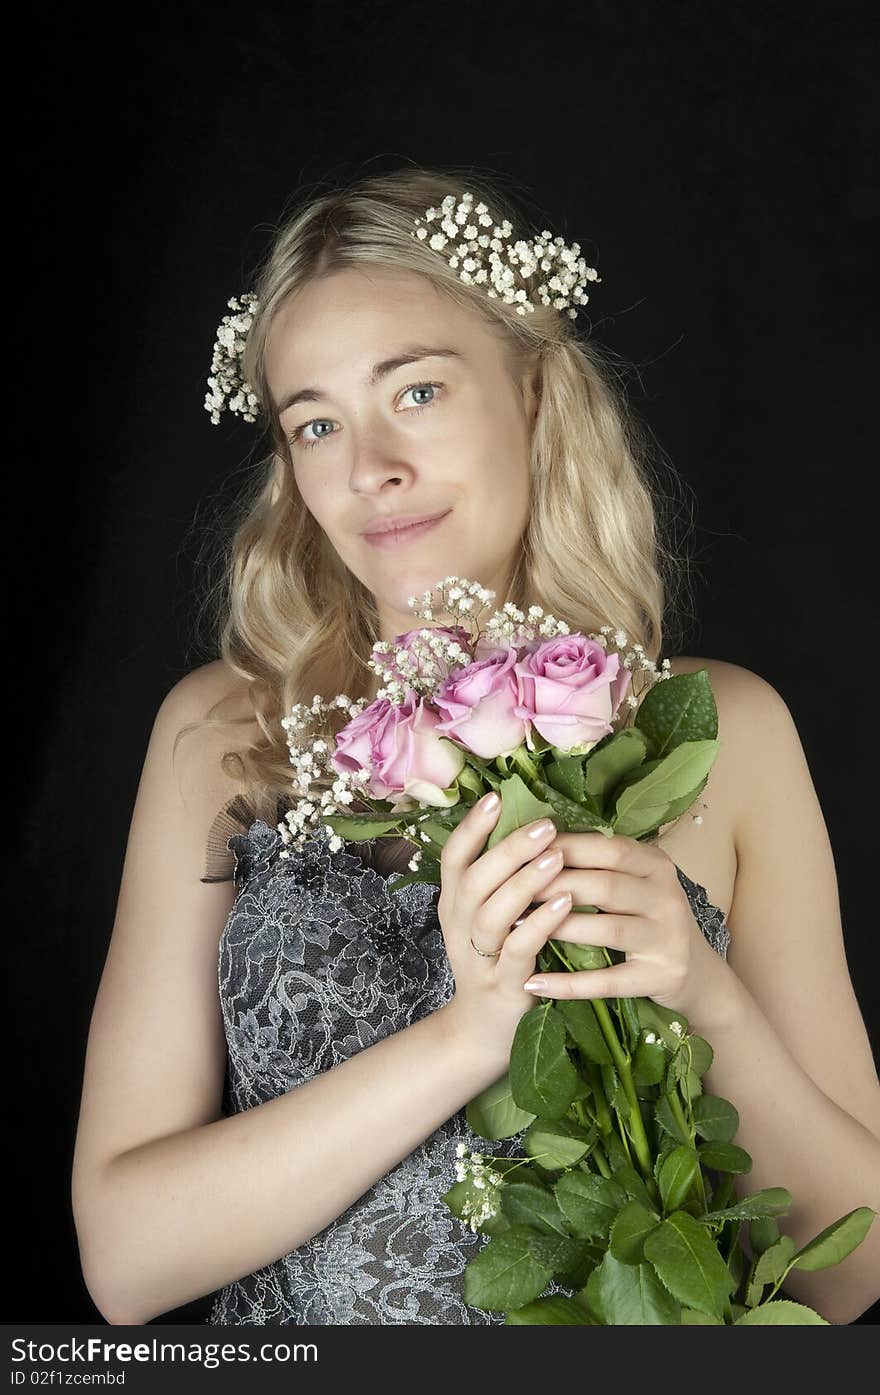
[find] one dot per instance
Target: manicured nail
(489, 803)
(559, 901)
(535, 985)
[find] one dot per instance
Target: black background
(716, 163)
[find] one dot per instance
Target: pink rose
(478, 706)
(570, 688)
(405, 641)
(399, 746)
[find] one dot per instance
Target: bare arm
(184, 1215)
(171, 1200)
(791, 1049)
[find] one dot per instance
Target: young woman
(285, 1144)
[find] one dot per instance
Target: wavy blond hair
(288, 617)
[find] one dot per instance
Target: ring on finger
(486, 954)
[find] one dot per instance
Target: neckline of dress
(395, 872)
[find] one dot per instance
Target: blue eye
(296, 437)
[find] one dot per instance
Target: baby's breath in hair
(494, 257)
(226, 383)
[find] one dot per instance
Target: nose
(376, 458)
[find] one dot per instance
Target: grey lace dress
(318, 960)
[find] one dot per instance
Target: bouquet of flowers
(623, 1197)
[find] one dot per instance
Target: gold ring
(494, 954)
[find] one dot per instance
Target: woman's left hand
(645, 913)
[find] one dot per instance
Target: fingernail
(540, 830)
(489, 803)
(548, 859)
(559, 901)
(535, 985)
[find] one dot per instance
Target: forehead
(357, 315)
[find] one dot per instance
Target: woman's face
(373, 437)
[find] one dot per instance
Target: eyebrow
(412, 354)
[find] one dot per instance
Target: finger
(624, 980)
(609, 891)
(522, 943)
(467, 839)
(620, 932)
(618, 852)
(495, 916)
(497, 865)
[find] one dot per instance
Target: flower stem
(697, 1185)
(524, 764)
(621, 1061)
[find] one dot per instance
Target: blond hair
(290, 619)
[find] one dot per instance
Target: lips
(406, 521)
(406, 533)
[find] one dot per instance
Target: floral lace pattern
(319, 959)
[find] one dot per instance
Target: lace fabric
(318, 960)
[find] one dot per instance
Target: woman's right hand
(481, 895)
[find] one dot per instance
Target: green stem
(621, 1061)
(697, 1185)
(601, 1160)
(525, 765)
(603, 1114)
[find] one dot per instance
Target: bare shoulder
(749, 710)
(212, 688)
(204, 715)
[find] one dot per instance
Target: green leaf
(763, 1233)
(836, 1241)
(518, 807)
(542, 1078)
(494, 1113)
(781, 1312)
(629, 1229)
(590, 1203)
(692, 1317)
(357, 827)
(580, 957)
(667, 1121)
(509, 1271)
(724, 1157)
(566, 774)
(615, 1092)
(772, 1201)
(677, 1172)
(528, 1203)
(678, 709)
(696, 1050)
(615, 1152)
(635, 1186)
(769, 1268)
(555, 1310)
(689, 1264)
(649, 1063)
(558, 1143)
(570, 816)
(644, 805)
(604, 769)
(584, 1030)
(576, 1276)
(630, 1295)
(715, 1118)
(658, 1020)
